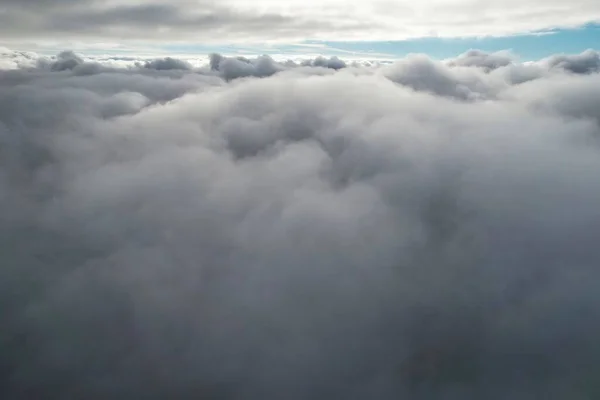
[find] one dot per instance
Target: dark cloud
(239, 67)
(66, 60)
(412, 231)
(423, 74)
(332, 62)
(155, 20)
(584, 63)
(481, 59)
(167, 63)
(264, 66)
(236, 21)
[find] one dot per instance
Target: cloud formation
(481, 59)
(261, 230)
(584, 63)
(237, 21)
(167, 63)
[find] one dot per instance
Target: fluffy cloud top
(168, 63)
(261, 230)
(478, 58)
(584, 63)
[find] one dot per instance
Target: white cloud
(419, 230)
(240, 21)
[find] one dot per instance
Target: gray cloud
(481, 59)
(584, 63)
(66, 60)
(167, 63)
(423, 74)
(240, 67)
(332, 62)
(235, 21)
(413, 231)
(156, 21)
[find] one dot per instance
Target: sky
(359, 29)
(361, 213)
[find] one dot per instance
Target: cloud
(584, 63)
(423, 74)
(66, 60)
(167, 63)
(239, 67)
(481, 59)
(332, 62)
(10, 59)
(418, 230)
(236, 21)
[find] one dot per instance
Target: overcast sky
(108, 23)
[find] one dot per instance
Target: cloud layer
(236, 21)
(259, 230)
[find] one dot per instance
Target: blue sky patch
(531, 46)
